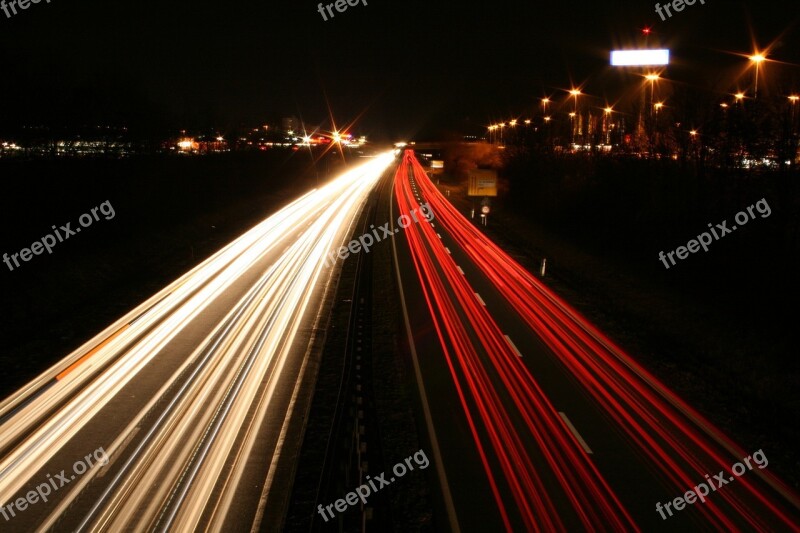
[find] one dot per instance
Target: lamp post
(575, 93)
(608, 110)
(572, 116)
(652, 78)
(757, 58)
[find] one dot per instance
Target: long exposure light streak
(236, 366)
(444, 286)
(679, 442)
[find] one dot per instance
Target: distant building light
(186, 144)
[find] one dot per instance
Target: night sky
(404, 67)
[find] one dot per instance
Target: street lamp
(575, 93)
(572, 116)
(757, 58)
(652, 78)
(545, 101)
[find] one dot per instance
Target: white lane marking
(446, 249)
(447, 495)
(439, 235)
(459, 269)
(575, 432)
(478, 296)
(514, 346)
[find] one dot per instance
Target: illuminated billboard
(482, 183)
(640, 58)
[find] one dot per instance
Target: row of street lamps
(756, 60)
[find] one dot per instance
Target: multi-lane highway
(538, 420)
(196, 397)
(187, 413)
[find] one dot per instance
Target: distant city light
(623, 58)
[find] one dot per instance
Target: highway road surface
(539, 422)
(185, 414)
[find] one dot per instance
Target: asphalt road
(539, 421)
